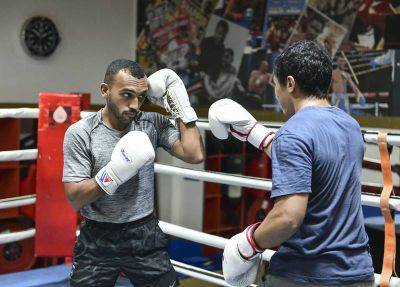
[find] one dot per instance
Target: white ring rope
(193, 235)
(181, 232)
(238, 180)
(7, 237)
(17, 201)
(217, 177)
(369, 136)
(197, 269)
(18, 155)
(374, 200)
(201, 237)
(201, 276)
(200, 273)
(366, 199)
(21, 113)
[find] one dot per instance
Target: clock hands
(40, 36)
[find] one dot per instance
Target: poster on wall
(368, 30)
(285, 7)
(280, 19)
(341, 11)
(246, 13)
(228, 48)
(171, 34)
(257, 64)
(316, 26)
(367, 63)
(220, 54)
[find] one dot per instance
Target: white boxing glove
(166, 87)
(242, 258)
(133, 151)
(226, 116)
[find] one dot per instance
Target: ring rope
(201, 276)
(20, 113)
(218, 177)
(181, 232)
(216, 278)
(369, 136)
(8, 237)
(17, 201)
(197, 269)
(18, 155)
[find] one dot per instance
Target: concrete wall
(93, 33)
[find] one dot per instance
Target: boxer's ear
(290, 84)
(105, 90)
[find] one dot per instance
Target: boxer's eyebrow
(136, 91)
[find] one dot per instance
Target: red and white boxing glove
(242, 258)
(226, 116)
(133, 151)
(168, 90)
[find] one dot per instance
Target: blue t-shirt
(319, 151)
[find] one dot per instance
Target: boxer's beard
(120, 117)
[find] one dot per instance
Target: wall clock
(39, 36)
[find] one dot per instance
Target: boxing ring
(172, 229)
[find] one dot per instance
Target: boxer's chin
(127, 118)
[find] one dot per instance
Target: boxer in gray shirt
(109, 178)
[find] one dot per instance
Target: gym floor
(57, 276)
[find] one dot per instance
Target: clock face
(40, 36)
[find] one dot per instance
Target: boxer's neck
(111, 121)
(309, 101)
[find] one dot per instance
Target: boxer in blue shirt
(316, 182)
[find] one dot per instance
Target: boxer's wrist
(247, 246)
(105, 178)
(237, 270)
(250, 237)
(189, 115)
(260, 136)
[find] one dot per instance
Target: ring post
(56, 221)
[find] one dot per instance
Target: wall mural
(227, 49)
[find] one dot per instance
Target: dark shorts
(137, 249)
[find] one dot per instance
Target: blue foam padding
(369, 211)
(54, 276)
(179, 249)
(37, 277)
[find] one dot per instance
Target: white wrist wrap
(189, 115)
(260, 136)
(106, 181)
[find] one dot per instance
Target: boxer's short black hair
(129, 66)
(309, 64)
